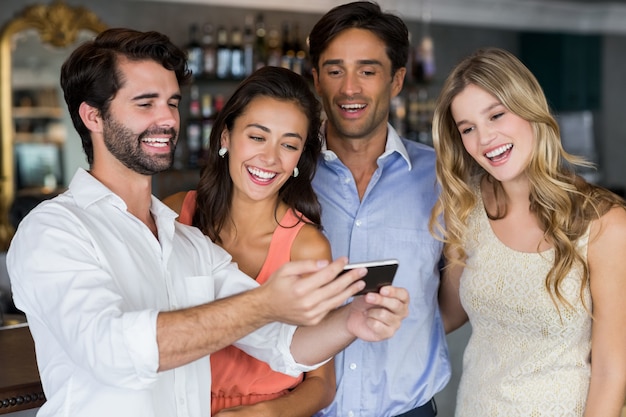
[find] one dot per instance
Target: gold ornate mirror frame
(58, 25)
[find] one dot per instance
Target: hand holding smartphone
(379, 274)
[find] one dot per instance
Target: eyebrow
(359, 62)
(487, 110)
(155, 95)
(265, 129)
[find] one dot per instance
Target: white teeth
(353, 106)
(499, 151)
(160, 142)
(261, 174)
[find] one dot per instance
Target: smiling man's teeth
(157, 141)
(498, 151)
(352, 106)
(261, 174)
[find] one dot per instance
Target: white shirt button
(350, 413)
(358, 223)
(353, 366)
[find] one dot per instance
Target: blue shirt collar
(394, 144)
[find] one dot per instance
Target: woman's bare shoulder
(310, 243)
(607, 240)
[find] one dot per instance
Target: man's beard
(125, 145)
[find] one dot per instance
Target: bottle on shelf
(299, 64)
(274, 52)
(193, 140)
(237, 65)
(288, 54)
(223, 53)
(248, 45)
(260, 42)
(194, 51)
(208, 118)
(194, 102)
(209, 51)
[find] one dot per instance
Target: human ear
(225, 138)
(316, 80)
(397, 81)
(90, 117)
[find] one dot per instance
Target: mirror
(34, 123)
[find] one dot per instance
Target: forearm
(606, 395)
(316, 391)
(315, 344)
(452, 313)
(186, 335)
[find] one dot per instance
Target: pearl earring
(222, 152)
(296, 172)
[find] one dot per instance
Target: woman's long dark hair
(215, 188)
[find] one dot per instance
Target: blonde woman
(535, 254)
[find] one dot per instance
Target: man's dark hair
(91, 73)
(361, 15)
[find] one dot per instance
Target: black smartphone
(379, 274)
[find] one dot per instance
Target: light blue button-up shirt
(394, 376)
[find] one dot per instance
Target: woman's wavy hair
(563, 202)
(215, 189)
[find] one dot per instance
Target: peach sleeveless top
(240, 379)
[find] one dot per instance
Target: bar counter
(20, 387)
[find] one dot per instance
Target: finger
(299, 268)
(330, 281)
(388, 296)
(397, 305)
(395, 292)
(335, 293)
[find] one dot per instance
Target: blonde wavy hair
(563, 202)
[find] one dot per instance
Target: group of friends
(146, 308)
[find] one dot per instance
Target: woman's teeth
(498, 151)
(261, 174)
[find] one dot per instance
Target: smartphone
(379, 274)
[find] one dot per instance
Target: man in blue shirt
(377, 191)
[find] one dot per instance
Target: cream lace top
(522, 359)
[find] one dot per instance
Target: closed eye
(467, 130)
(291, 147)
(497, 116)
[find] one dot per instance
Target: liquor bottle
(237, 67)
(194, 129)
(248, 45)
(208, 119)
(194, 102)
(299, 64)
(223, 53)
(274, 53)
(260, 43)
(209, 52)
(288, 54)
(194, 52)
